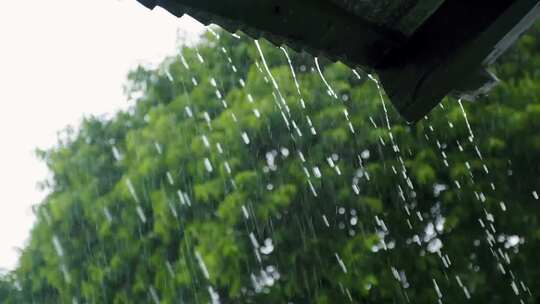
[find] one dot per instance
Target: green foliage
(219, 181)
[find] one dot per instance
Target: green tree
(227, 180)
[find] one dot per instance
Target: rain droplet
(202, 265)
(317, 172)
(435, 245)
(365, 154)
(268, 247)
(58, 246)
(141, 214)
(208, 165)
(245, 138)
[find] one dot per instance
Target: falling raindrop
(202, 265)
(245, 138)
(330, 90)
(208, 165)
(268, 247)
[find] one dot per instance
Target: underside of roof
(404, 16)
(422, 50)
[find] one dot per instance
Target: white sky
(60, 60)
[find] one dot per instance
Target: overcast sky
(61, 60)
